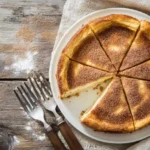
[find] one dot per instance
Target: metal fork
(43, 91)
(29, 102)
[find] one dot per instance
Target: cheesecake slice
(85, 48)
(115, 33)
(140, 48)
(73, 77)
(138, 96)
(110, 112)
(141, 71)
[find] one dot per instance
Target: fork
(29, 103)
(42, 89)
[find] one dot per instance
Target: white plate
(72, 108)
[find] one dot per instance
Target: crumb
(101, 88)
(77, 94)
(68, 97)
(82, 113)
(28, 128)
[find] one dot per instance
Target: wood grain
(27, 34)
(32, 7)
(12, 117)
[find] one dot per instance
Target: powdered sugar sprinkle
(25, 64)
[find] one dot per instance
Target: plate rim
(53, 54)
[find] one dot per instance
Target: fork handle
(56, 142)
(69, 136)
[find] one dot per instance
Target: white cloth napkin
(73, 11)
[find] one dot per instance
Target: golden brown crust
(61, 73)
(85, 48)
(79, 36)
(124, 20)
(141, 71)
(111, 113)
(73, 77)
(102, 23)
(115, 33)
(138, 96)
(140, 48)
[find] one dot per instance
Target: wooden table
(28, 30)
(27, 33)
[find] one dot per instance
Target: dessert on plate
(115, 48)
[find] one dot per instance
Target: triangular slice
(140, 49)
(85, 48)
(141, 71)
(110, 112)
(138, 96)
(74, 77)
(116, 33)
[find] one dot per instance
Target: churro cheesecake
(116, 48)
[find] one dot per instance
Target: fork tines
(26, 97)
(40, 85)
(39, 76)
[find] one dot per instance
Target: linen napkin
(73, 11)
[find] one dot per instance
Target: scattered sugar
(16, 141)
(28, 128)
(26, 115)
(42, 137)
(29, 123)
(25, 64)
(38, 135)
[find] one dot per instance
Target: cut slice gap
(87, 65)
(85, 48)
(73, 77)
(129, 47)
(138, 96)
(141, 71)
(115, 33)
(132, 77)
(140, 49)
(136, 65)
(110, 112)
(102, 46)
(128, 103)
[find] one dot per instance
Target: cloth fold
(73, 11)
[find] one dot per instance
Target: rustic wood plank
(31, 7)
(27, 34)
(29, 132)
(27, 47)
